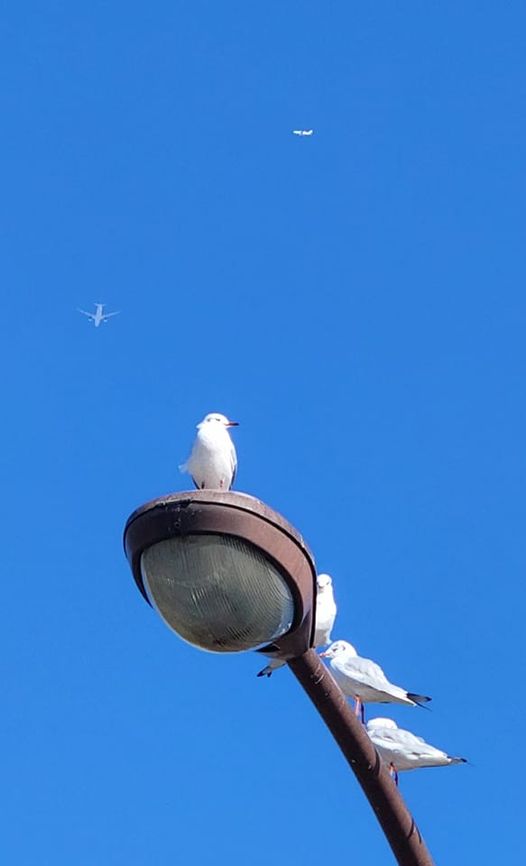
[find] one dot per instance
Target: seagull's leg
(362, 713)
(393, 773)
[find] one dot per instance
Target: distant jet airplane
(302, 131)
(98, 316)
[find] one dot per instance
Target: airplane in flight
(98, 316)
(302, 131)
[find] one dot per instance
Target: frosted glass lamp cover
(217, 592)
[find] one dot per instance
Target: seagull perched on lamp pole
(213, 461)
(402, 750)
(364, 680)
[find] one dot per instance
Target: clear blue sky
(357, 301)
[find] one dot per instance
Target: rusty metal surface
(242, 516)
(233, 499)
(386, 801)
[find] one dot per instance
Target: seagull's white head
(372, 724)
(217, 418)
(339, 649)
(323, 581)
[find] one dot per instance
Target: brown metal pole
(395, 819)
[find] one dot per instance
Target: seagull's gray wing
(233, 462)
(400, 737)
(365, 671)
(408, 744)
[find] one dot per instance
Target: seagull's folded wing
(233, 462)
(365, 671)
(412, 745)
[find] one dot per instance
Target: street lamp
(229, 574)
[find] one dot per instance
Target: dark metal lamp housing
(225, 572)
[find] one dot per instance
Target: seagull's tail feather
(458, 760)
(274, 665)
(266, 672)
(420, 700)
(183, 467)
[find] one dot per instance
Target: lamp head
(225, 572)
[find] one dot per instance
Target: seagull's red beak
(233, 424)
(323, 655)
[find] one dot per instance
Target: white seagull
(402, 750)
(213, 461)
(364, 680)
(325, 615)
(302, 131)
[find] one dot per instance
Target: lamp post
(229, 574)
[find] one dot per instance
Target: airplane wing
(109, 315)
(89, 315)
(308, 131)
